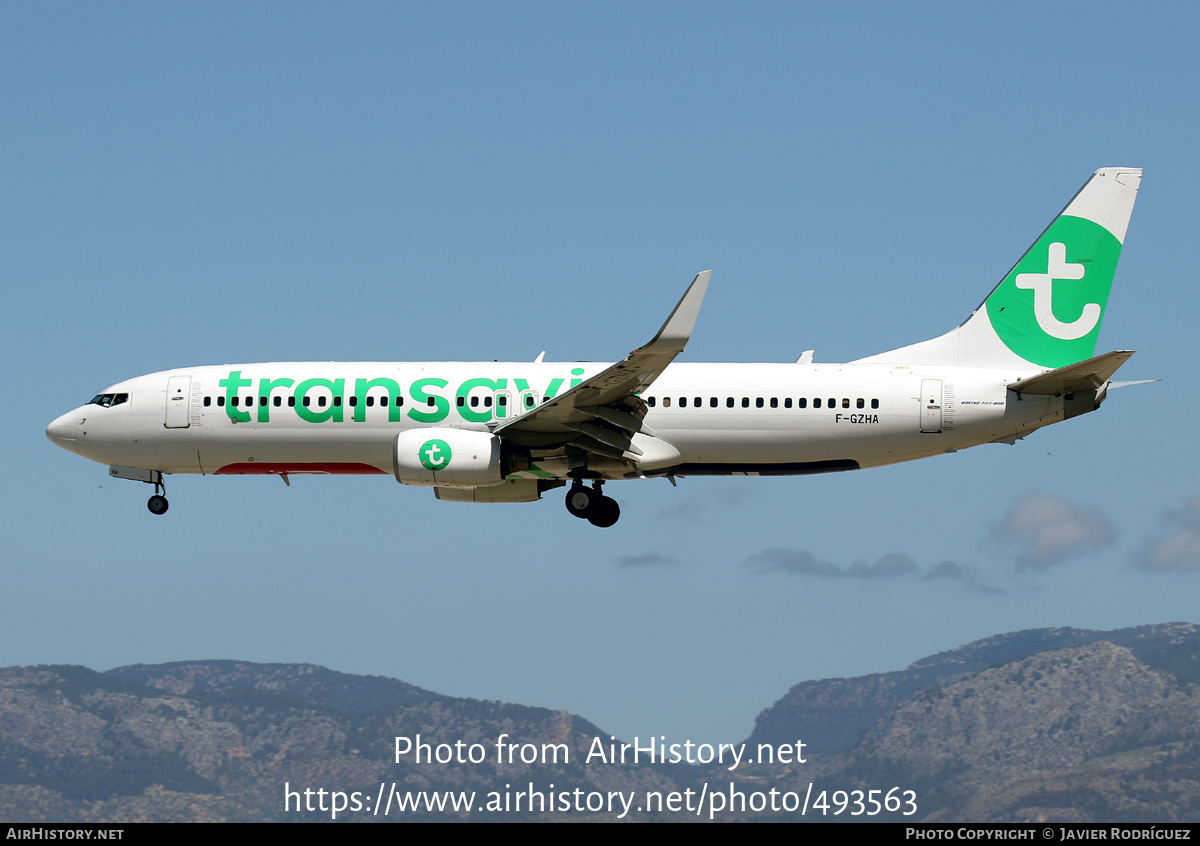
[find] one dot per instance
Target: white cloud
(801, 562)
(647, 559)
(892, 564)
(695, 509)
(1179, 550)
(1047, 531)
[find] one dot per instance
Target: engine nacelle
(440, 457)
(512, 490)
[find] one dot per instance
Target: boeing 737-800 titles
(510, 431)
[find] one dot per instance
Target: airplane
(506, 432)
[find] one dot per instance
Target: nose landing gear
(592, 505)
(158, 503)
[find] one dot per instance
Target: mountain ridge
(1043, 724)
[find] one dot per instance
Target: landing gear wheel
(604, 512)
(579, 500)
(157, 504)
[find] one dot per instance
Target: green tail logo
(1049, 308)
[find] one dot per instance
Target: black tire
(604, 512)
(580, 500)
(157, 504)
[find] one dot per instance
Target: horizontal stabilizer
(1082, 376)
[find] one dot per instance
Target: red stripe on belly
(267, 468)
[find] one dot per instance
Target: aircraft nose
(61, 431)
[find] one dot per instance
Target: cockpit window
(107, 400)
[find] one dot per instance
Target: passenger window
(845, 402)
(278, 401)
(291, 402)
(502, 401)
(802, 402)
(399, 402)
(353, 401)
(833, 402)
(207, 402)
(528, 401)
(683, 402)
(712, 402)
(234, 402)
(321, 401)
(337, 402)
(666, 402)
(306, 401)
(430, 402)
(698, 402)
(461, 402)
(787, 402)
(745, 402)
(816, 402)
(758, 403)
(220, 402)
(370, 402)
(729, 402)
(774, 402)
(874, 403)
(860, 403)
(650, 402)
(262, 401)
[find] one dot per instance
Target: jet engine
(443, 457)
(511, 490)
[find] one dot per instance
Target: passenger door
(179, 389)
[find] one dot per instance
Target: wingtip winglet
(677, 329)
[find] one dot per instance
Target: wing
(601, 415)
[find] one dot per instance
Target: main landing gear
(592, 505)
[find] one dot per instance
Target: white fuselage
(722, 419)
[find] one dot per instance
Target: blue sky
(204, 183)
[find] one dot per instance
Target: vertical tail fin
(1047, 310)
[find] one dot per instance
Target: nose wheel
(592, 505)
(158, 503)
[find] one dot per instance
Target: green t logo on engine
(435, 454)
